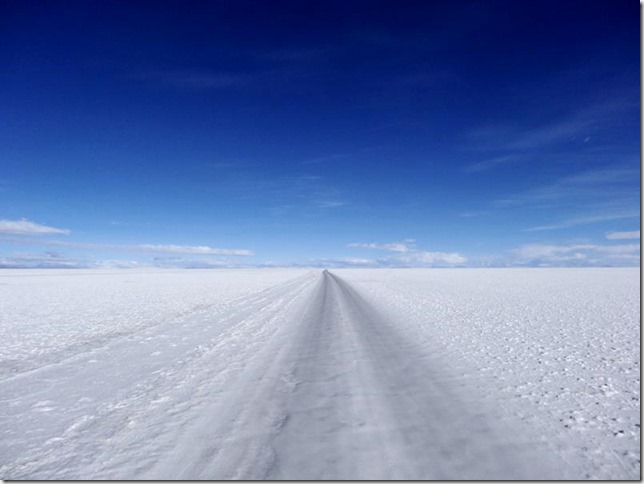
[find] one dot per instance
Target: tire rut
(370, 405)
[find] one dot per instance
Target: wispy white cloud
(562, 130)
(635, 234)
(577, 125)
(404, 246)
(187, 249)
(343, 262)
(153, 248)
(588, 196)
(473, 213)
(45, 260)
(584, 184)
(575, 254)
(56, 260)
(582, 198)
(117, 264)
(407, 255)
(491, 163)
(329, 203)
(569, 135)
(617, 249)
(584, 220)
(308, 191)
(421, 258)
(183, 263)
(26, 227)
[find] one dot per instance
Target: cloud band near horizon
(153, 248)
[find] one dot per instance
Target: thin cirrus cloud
(423, 258)
(404, 246)
(513, 143)
(585, 220)
(407, 255)
(153, 248)
(55, 260)
(491, 163)
(179, 262)
(582, 184)
(329, 203)
(635, 234)
(576, 253)
(27, 227)
(186, 249)
(586, 197)
(577, 125)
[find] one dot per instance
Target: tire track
(368, 406)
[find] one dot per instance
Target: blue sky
(321, 133)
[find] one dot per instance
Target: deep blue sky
(395, 133)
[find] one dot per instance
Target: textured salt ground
(320, 376)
